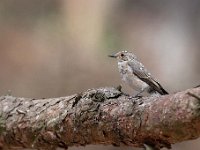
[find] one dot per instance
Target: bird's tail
(158, 89)
(164, 92)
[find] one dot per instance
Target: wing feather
(141, 72)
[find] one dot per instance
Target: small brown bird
(136, 75)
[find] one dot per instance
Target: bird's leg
(126, 94)
(138, 94)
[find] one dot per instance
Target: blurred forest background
(54, 48)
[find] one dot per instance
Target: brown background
(54, 48)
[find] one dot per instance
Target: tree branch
(99, 116)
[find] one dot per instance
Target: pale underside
(129, 78)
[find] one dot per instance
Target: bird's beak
(112, 56)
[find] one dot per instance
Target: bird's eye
(122, 55)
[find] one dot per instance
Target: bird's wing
(144, 75)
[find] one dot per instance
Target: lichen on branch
(99, 116)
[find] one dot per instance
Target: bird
(134, 74)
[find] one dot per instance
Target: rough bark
(99, 116)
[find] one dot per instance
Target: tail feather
(157, 88)
(162, 90)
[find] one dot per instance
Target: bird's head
(123, 56)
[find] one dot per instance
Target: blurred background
(54, 48)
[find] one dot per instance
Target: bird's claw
(137, 96)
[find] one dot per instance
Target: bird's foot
(126, 94)
(137, 96)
